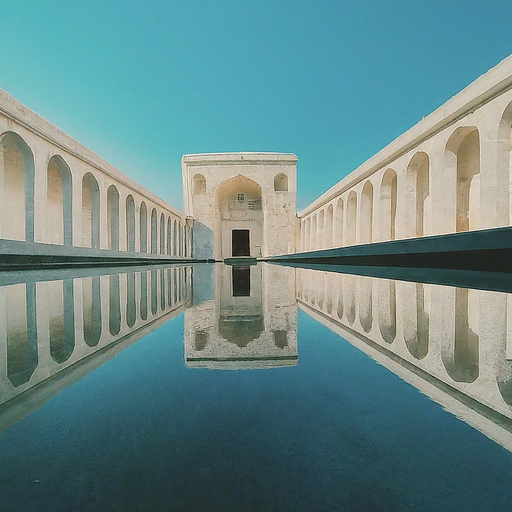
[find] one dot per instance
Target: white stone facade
(226, 192)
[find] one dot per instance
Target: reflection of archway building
(251, 322)
(243, 204)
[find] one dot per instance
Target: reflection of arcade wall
(244, 326)
(47, 327)
(451, 343)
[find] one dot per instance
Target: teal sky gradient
(141, 83)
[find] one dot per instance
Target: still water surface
(263, 388)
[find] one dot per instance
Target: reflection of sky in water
(329, 430)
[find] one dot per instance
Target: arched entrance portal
(238, 229)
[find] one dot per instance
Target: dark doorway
(240, 242)
(241, 281)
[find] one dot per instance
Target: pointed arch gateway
(238, 221)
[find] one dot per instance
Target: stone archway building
(243, 204)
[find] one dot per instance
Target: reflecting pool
(266, 387)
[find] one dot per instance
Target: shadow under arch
(59, 220)
(18, 159)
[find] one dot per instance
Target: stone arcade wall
(450, 173)
(57, 198)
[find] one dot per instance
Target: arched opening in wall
(21, 332)
(238, 220)
(418, 191)
(175, 239)
(387, 309)
(461, 359)
(154, 231)
(303, 224)
(59, 216)
(130, 223)
(162, 233)
(366, 218)
(180, 239)
(91, 305)
(143, 227)
(17, 205)
(388, 197)
(199, 185)
(328, 227)
(314, 232)
(61, 319)
(281, 183)
(321, 230)
(338, 228)
(90, 212)
(416, 319)
(351, 218)
(462, 162)
(113, 218)
(504, 169)
(169, 236)
(114, 309)
(308, 234)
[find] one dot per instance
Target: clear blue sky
(143, 82)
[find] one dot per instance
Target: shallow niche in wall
(199, 184)
(281, 183)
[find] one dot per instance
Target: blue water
(336, 432)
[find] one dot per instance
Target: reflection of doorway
(240, 242)
(241, 281)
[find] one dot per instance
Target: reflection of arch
(366, 217)
(416, 320)
(130, 223)
(143, 227)
(462, 163)
(351, 218)
(387, 310)
(144, 295)
(62, 319)
(131, 302)
(238, 206)
(90, 212)
(281, 183)
(418, 191)
(17, 167)
(91, 304)
(365, 303)
(154, 231)
(114, 309)
(349, 299)
(199, 184)
(113, 218)
(388, 191)
(154, 292)
(21, 330)
(162, 289)
(461, 360)
(59, 215)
